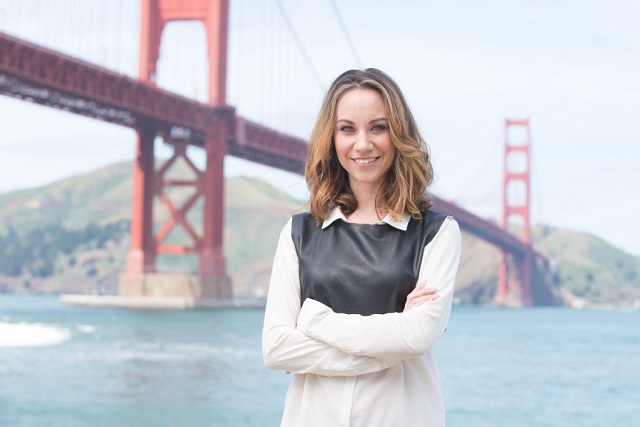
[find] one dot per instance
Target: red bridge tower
(514, 286)
(141, 277)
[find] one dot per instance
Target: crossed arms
(313, 339)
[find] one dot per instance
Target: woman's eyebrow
(379, 119)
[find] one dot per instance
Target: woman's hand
(420, 295)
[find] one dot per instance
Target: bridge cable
(300, 45)
(34, 14)
(345, 32)
(119, 65)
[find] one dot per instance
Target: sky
(572, 67)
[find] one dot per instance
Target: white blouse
(353, 370)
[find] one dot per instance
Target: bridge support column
(212, 265)
(525, 281)
(142, 257)
(514, 282)
(501, 295)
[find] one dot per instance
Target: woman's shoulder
(444, 224)
(436, 222)
(302, 215)
(429, 215)
(296, 223)
(302, 218)
(301, 221)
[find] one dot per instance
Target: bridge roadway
(36, 74)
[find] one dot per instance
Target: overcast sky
(572, 67)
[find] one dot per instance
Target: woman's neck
(367, 211)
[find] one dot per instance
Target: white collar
(337, 214)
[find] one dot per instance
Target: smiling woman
(349, 311)
(375, 100)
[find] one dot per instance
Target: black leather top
(361, 268)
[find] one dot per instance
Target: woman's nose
(362, 142)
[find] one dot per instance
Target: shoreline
(158, 303)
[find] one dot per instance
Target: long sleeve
(287, 349)
(394, 335)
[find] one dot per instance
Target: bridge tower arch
(141, 277)
(514, 282)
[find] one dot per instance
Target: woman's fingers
(421, 286)
(420, 295)
(420, 292)
(424, 298)
(417, 302)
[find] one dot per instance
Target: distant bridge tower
(141, 277)
(514, 286)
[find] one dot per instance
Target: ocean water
(63, 366)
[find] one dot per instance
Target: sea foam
(86, 329)
(31, 335)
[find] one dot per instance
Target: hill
(590, 270)
(587, 271)
(72, 237)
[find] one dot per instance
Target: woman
(349, 310)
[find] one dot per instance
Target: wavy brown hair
(406, 183)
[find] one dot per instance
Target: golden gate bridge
(47, 77)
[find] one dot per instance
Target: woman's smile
(365, 162)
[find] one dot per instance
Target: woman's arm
(394, 335)
(287, 349)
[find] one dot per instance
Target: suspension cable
(299, 45)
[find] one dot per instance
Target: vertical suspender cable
(300, 45)
(119, 47)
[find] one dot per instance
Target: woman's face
(362, 139)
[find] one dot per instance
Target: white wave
(87, 329)
(31, 335)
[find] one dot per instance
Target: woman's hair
(405, 186)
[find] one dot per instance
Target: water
(64, 366)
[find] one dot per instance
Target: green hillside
(590, 269)
(99, 197)
(72, 237)
(46, 221)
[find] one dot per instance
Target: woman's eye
(378, 128)
(346, 129)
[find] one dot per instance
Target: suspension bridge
(36, 74)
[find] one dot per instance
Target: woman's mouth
(365, 162)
